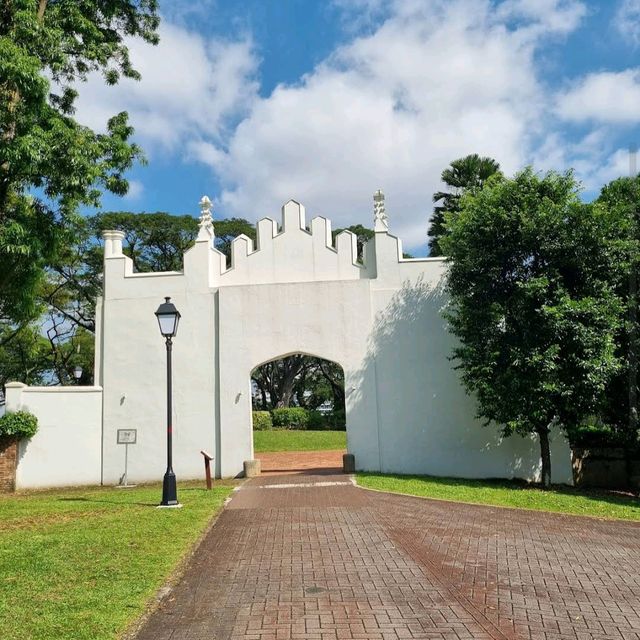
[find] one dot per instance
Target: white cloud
(606, 96)
(391, 109)
(429, 83)
(544, 17)
(627, 21)
(188, 86)
(136, 189)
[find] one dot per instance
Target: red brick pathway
(301, 461)
(315, 558)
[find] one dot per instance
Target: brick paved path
(315, 558)
(301, 461)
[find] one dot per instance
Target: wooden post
(207, 467)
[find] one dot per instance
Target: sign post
(126, 437)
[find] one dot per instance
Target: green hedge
(290, 418)
(599, 436)
(18, 424)
(300, 418)
(262, 421)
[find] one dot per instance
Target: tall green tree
(532, 303)
(621, 402)
(462, 175)
(50, 165)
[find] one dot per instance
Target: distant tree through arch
(300, 380)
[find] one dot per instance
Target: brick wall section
(8, 463)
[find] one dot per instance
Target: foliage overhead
(462, 175)
(49, 163)
(531, 302)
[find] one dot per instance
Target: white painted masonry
(66, 449)
(294, 292)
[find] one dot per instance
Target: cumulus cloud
(606, 96)
(391, 109)
(136, 189)
(189, 86)
(627, 21)
(417, 85)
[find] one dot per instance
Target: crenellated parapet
(292, 251)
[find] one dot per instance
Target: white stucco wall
(293, 292)
(66, 449)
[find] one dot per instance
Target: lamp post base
(169, 490)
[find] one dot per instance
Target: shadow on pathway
(313, 557)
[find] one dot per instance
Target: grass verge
(559, 499)
(290, 440)
(84, 563)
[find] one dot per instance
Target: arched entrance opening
(298, 414)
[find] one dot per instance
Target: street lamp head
(168, 318)
(77, 372)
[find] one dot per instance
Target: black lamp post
(77, 373)
(168, 319)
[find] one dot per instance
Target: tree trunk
(545, 455)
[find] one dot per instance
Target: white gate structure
(295, 291)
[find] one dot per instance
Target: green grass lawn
(291, 440)
(84, 563)
(509, 494)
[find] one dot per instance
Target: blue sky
(259, 101)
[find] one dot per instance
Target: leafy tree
(228, 229)
(465, 174)
(363, 235)
(299, 380)
(24, 355)
(49, 164)
(531, 303)
(620, 411)
(153, 241)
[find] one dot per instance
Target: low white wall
(66, 450)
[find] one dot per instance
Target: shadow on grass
(124, 502)
(120, 503)
(618, 498)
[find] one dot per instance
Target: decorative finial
(380, 220)
(206, 221)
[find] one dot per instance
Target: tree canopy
(620, 410)
(462, 175)
(299, 380)
(532, 303)
(49, 163)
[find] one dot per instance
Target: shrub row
(262, 421)
(298, 418)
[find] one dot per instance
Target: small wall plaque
(127, 436)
